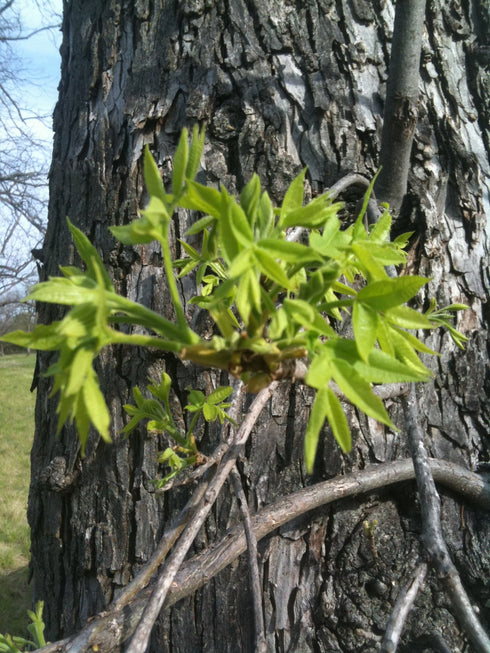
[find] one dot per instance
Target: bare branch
(432, 532)
(111, 628)
(141, 636)
(401, 610)
(401, 107)
(260, 641)
(24, 37)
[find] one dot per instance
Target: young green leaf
(359, 391)
(220, 394)
(294, 196)
(249, 199)
(153, 180)
(195, 152)
(315, 423)
(271, 269)
(180, 164)
(202, 198)
(387, 293)
(338, 421)
(89, 256)
(365, 325)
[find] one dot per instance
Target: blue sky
(40, 59)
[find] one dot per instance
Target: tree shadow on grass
(15, 600)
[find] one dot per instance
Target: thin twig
(260, 642)
(402, 607)
(114, 626)
(351, 179)
(140, 639)
(432, 532)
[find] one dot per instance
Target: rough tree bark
(280, 85)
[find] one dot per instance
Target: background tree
(280, 86)
(24, 160)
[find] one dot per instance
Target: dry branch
(165, 579)
(432, 532)
(401, 610)
(109, 630)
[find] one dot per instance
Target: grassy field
(16, 431)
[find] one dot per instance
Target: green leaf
(195, 152)
(200, 225)
(241, 264)
(383, 368)
(307, 316)
(271, 269)
(249, 199)
(294, 196)
(314, 214)
(319, 373)
(265, 215)
(408, 318)
(153, 180)
(136, 233)
(210, 412)
(220, 394)
(89, 256)
(96, 406)
(380, 232)
(414, 342)
(405, 353)
(385, 294)
(59, 290)
(372, 269)
(365, 324)
(359, 391)
(287, 251)
(359, 231)
(44, 338)
(383, 254)
(248, 295)
(315, 424)
(180, 163)
(202, 198)
(235, 232)
(338, 421)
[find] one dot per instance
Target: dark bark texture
(281, 84)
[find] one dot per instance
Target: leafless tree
(24, 158)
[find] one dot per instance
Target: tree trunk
(280, 85)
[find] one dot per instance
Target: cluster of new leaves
(14, 644)
(272, 299)
(159, 415)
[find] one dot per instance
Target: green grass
(16, 432)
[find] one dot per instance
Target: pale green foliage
(272, 300)
(157, 410)
(13, 644)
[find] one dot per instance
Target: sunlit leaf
(202, 198)
(195, 152)
(153, 179)
(290, 252)
(306, 315)
(365, 324)
(315, 423)
(220, 394)
(180, 163)
(270, 268)
(250, 197)
(294, 196)
(387, 293)
(359, 391)
(338, 421)
(408, 318)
